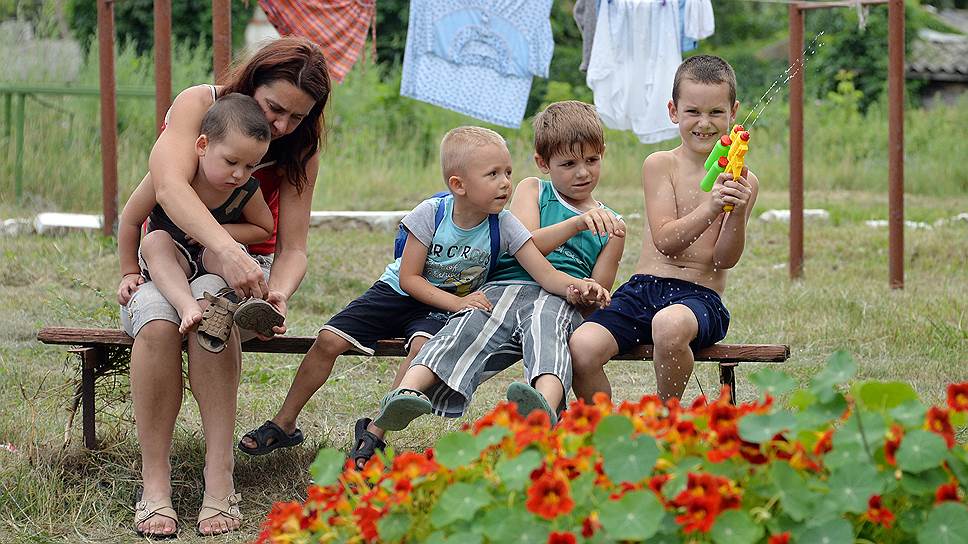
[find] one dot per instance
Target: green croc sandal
(400, 407)
(528, 399)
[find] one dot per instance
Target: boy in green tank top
(579, 236)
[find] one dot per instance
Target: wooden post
(109, 122)
(221, 37)
(162, 61)
(796, 142)
(90, 356)
(895, 142)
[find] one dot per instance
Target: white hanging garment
(633, 64)
(698, 18)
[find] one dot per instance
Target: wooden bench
(104, 350)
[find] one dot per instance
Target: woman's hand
(129, 284)
(281, 304)
(242, 272)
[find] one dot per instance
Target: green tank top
(576, 257)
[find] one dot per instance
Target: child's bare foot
(190, 317)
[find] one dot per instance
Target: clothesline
(819, 5)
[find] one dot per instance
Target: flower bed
(871, 465)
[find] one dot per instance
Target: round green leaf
(946, 524)
(516, 472)
(797, 500)
(393, 527)
(612, 429)
(505, 524)
(772, 382)
(489, 437)
(459, 501)
(924, 483)
(735, 527)
(835, 531)
(844, 454)
(852, 486)
(630, 461)
(840, 368)
(636, 516)
(327, 466)
(761, 428)
(920, 450)
(909, 413)
(457, 449)
(882, 396)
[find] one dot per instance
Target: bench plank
(724, 353)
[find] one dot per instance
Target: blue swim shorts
(629, 317)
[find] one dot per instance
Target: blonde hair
(458, 144)
(565, 128)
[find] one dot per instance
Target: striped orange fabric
(338, 26)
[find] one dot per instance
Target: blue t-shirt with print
(457, 258)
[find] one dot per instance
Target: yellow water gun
(727, 156)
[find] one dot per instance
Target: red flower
(958, 397)
(285, 517)
(704, 498)
(590, 524)
(877, 513)
(782, 538)
(366, 518)
(581, 418)
(825, 444)
(535, 429)
(549, 495)
(503, 415)
(561, 538)
(410, 465)
(893, 442)
(946, 492)
(937, 421)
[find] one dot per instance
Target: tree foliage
(191, 21)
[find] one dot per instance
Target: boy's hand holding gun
(728, 157)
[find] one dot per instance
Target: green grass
(918, 335)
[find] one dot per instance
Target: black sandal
(366, 443)
(270, 431)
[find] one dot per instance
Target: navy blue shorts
(381, 313)
(635, 303)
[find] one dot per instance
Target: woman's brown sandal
(145, 510)
(216, 324)
(211, 507)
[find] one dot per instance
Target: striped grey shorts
(526, 322)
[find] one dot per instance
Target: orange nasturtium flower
(937, 421)
(782, 538)
(892, 444)
(285, 518)
(590, 524)
(958, 396)
(563, 537)
(704, 498)
(581, 418)
(877, 513)
(946, 492)
(549, 495)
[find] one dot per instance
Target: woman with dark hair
(289, 80)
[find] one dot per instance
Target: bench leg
(728, 378)
(91, 357)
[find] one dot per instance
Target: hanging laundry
(685, 43)
(586, 16)
(477, 57)
(338, 26)
(698, 19)
(633, 64)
